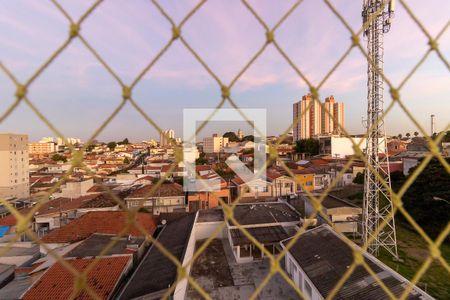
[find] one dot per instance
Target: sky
(76, 94)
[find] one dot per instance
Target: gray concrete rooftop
(223, 278)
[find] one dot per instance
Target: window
(291, 267)
(294, 269)
(300, 280)
(308, 289)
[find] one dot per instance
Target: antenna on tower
(377, 206)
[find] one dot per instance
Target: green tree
(309, 146)
(408, 135)
(232, 137)
(58, 157)
(90, 148)
(400, 136)
(416, 134)
(250, 138)
(428, 198)
(125, 141)
(359, 178)
(312, 146)
(446, 138)
(126, 161)
(300, 146)
(112, 145)
(201, 161)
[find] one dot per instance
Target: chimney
(433, 124)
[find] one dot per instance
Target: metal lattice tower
(377, 205)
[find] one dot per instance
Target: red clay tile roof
(108, 222)
(67, 204)
(97, 188)
(10, 220)
(203, 168)
(164, 190)
(273, 174)
(319, 162)
(58, 282)
(167, 168)
(304, 171)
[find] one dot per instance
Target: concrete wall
(409, 163)
(300, 278)
(75, 189)
(205, 229)
(181, 288)
(283, 186)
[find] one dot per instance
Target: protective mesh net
(75, 32)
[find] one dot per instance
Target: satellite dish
(163, 222)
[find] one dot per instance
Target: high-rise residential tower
(240, 134)
(310, 119)
(165, 137)
(14, 169)
(328, 115)
(307, 118)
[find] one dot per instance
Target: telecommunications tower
(377, 205)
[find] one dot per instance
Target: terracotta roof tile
(164, 190)
(108, 222)
(10, 220)
(67, 204)
(58, 282)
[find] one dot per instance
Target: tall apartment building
(334, 117)
(310, 119)
(165, 137)
(307, 118)
(14, 174)
(214, 144)
(71, 141)
(41, 148)
(240, 134)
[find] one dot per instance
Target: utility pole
(377, 205)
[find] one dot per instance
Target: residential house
(304, 179)
(168, 197)
(58, 212)
(345, 216)
(74, 188)
(282, 185)
(208, 199)
(269, 223)
(58, 282)
(395, 146)
(156, 272)
(104, 222)
(320, 258)
(256, 188)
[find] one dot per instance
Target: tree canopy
(58, 157)
(112, 145)
(232, 137)
(309, 146)
(250, 138)
(428, 198)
